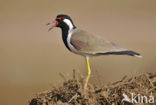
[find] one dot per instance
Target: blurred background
(31, 58)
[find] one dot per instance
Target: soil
(71, 92)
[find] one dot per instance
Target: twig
(63, 76)
(73, 74)
(75, 96)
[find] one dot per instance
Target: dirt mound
(139, 90)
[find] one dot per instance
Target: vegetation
(142, 87)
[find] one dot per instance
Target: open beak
(52, 22)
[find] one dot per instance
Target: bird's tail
(130, 53)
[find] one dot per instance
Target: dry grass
(72, 92)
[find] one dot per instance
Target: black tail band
(131, 53)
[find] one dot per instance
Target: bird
(86, 44)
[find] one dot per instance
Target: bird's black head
(63, 21)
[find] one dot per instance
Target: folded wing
(88, 43)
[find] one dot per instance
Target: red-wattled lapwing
(86, 44)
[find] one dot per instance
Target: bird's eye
(60, 18)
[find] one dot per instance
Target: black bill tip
(48, 24)
(50, 29)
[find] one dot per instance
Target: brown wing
(89, 43)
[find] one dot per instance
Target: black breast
(65, 36)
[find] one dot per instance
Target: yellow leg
(89, 72)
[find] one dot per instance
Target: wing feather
(88, 43)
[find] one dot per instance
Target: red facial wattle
(60, 18)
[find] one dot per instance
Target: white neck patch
(69, 23)
(70, 31)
